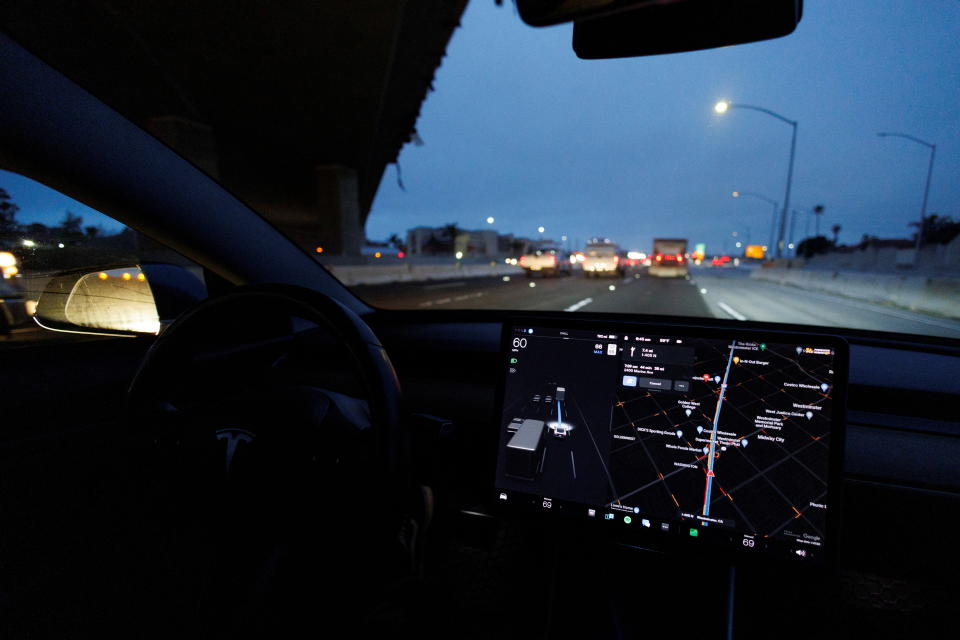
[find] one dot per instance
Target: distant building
(486, 243)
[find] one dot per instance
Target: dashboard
(723, 440)
(900, 443)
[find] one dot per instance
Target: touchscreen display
(722, 440)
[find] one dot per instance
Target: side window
(73, 273)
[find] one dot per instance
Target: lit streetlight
(722, 107)
(490, 220)
(776, 207)
(541, 229)
(926, 189)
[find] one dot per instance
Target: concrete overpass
(297, 107)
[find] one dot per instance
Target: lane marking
(579, 305)
(731, 311)
(444, 285)
(574, 465)
(430, 303)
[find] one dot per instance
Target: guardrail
(351, 275)
(925, 294)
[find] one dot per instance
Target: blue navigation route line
(713, 433)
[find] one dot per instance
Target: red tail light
(659, 257)
(679, 258)
(523, 261)
(616, 259)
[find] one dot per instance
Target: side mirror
(117, 300)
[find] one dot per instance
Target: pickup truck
(602, 258)
(546, 260)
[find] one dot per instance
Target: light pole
(722, 107)
(776, 206)
(926, 189)
(793, 225)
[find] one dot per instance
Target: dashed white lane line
(579, 305)
(731, 311)
(444, 285)
(430, 303)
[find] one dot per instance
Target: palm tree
(817, 212)
(451, 230)
(836, 232)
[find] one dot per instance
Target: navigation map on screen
(687, 436)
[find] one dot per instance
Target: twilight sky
(520, 129)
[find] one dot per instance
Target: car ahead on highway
(547, 260)
(238, 444)
(669, 258)
(601, 257)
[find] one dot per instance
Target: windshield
(426, 162)
(522, 140)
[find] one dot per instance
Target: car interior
(275, 457)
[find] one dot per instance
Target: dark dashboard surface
(902, 439)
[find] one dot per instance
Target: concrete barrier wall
(351, 275)
(934, 259)
(925, 294)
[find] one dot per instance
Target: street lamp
(926, 189)
(490, 220)
(541, 229)
(722, 107)
(776, 206)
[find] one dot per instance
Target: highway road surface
(727, 293)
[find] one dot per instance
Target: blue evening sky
(41, 204)
(520, 129)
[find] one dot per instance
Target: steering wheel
(272, 484)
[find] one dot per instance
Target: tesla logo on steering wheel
(233, 437)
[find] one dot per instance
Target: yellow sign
(755, 251)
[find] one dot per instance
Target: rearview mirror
(672, 26)
(117, 300)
